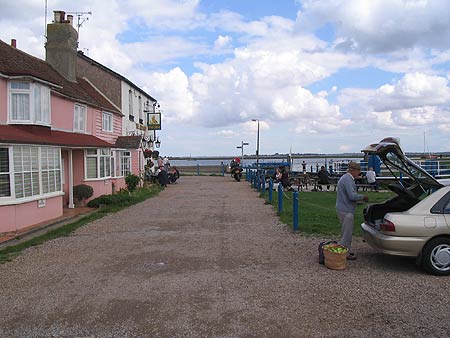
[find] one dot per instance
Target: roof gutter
(28, 77)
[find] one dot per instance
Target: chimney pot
(13, 43)
(59, 16)
(70, 19)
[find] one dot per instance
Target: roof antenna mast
(82, 17)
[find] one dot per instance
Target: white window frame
(125, 163)
(27, 167)
(79, 117)
(39, 103)
(7, 173)
(102, 158)
(107, 122)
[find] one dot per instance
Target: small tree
(132, 182)
(82, 192)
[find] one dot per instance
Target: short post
(198, 169)
(295, 210)
(263, 184)
(270, 190)
(259, 181)
(280, 198)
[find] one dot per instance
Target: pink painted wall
(3, 98)
(20, 216)
(78, 166)
(135, 162)
(107, 136)
(62, 113)
(105, 186)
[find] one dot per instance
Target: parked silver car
(416, 221)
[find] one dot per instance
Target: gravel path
(207, 258)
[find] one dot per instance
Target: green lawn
(317, 214)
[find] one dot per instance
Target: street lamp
(242, 148)
(257, 145)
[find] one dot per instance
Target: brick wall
(106, 82)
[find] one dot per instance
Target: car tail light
(387, 225)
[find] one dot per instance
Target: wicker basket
(334, 260)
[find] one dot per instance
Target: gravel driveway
(207, 258)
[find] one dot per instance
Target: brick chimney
(61, 46)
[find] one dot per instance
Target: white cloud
(222, 42)
(172, 91)
(226, 133)
(380, 26)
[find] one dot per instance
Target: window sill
(97, 179)
(30, 123)
(11, 201)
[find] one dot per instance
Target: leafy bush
(132, 182)
(82, 192)
(110, 200)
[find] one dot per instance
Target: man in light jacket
(346, 203)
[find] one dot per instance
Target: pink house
(57, 130)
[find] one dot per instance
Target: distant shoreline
(294, 156)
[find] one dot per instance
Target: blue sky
(326, 76)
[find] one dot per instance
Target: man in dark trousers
(323, 178)
(346, 203)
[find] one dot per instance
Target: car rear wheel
(436, 257)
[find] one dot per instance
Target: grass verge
(317, 213)
(139, 195)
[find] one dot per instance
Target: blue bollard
(263, 184)
(259, 182)
(270, 190)
(295, 210)
(198, 170)
(280, 198)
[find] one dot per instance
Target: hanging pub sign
(154, 121)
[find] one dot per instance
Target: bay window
(5, 189)
(98, 163)
(29, 102)
(125, 163)
(27, 171)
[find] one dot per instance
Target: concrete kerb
(42, 230)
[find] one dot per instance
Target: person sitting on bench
(323, 179)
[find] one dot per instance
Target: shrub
(110, 200)
(132, 182)
(82, 192)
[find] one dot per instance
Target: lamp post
(257, 145)
(242, 148)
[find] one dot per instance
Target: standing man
(345, 204)
(371, 177)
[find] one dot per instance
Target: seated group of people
(281, 175)
(163, 172)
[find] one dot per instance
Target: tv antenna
(82, 17)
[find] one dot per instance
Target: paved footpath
(207, 258)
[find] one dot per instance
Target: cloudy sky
(321, 76)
